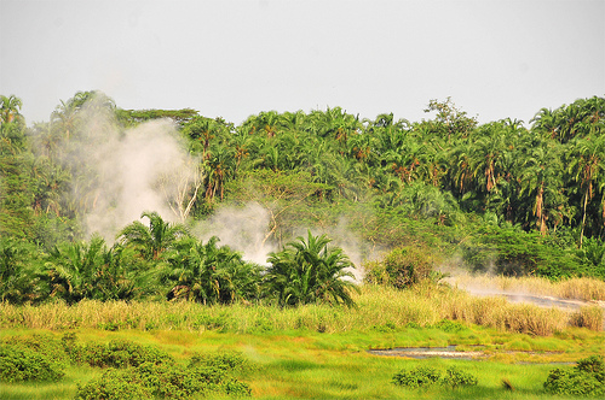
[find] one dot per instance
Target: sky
(235, 58)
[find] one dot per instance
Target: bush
(455, 377)
(586, 378)
(420, 377)
(114, 385)
(417, 378)
(118, 354)
(22, 364)
(169, 380)
(401, 268)
(162, 377)
(43, 344)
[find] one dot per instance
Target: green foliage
(134, 117)
(427, 184)
(592, 257)
(422, 377)
(76, 271)
(308, 271)
(19, 281)
(510, 251)
(586, 378)
(114, 385)
(210, 274)
(18, 364)
(153, 240)
(401, 268)
(117, 354)
(455, 377)
(418, 377)
(162, 377)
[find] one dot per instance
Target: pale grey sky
(234, 58)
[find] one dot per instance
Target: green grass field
(311, 365)
(321, 352)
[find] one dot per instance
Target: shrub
(420, 377)
(162, 377)
(22, 364)
(417, 377)
(586, 378)
(118, 354)
(214, 371)
(169, 380)
(228, 361)
(593, 365)
(114, 385)
(454, 377)
(401, 268)
(43, 344)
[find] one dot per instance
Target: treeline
(163, 261)
(522, 200)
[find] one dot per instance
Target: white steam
(244, 229)
(119, 175)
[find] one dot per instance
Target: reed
(585, 289)
(378, 307)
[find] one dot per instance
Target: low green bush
(417, 378)
(167, 379)
(114, 384)
(586, 378)
(44, 344)
(117, 354)
(454, 378)
(421, 377)
(21, 364)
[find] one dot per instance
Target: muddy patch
(448, 352)
(451, 353)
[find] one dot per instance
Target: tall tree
(10, 107)
(587, 166)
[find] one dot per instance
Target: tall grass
(585, 289)
(377, 308)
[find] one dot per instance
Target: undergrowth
(422, 305)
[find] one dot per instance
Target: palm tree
(308, 271)
(541, 179)
(71, 268)
(81, 270)
(209, 274)
(587, 166)
(19, 282)
(153, 240)
(9, 109)
(219, 166)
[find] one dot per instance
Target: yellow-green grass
(303, 364)
(378, 308)
(319, 351)
(585, 289)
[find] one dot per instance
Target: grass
(585, 289)
(318, 351)
(378, 308)
(303, 364)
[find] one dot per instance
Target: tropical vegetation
(360, 219)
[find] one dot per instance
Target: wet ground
(450, 352)
(426, 352)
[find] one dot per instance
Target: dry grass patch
(378, 308)
(585, 289)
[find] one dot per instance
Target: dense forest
(501, 197)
